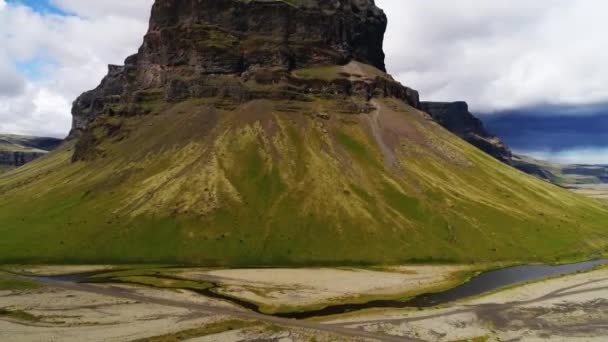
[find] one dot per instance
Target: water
(497, 279)
(483, 283)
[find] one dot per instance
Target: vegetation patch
(12, 282)
(260, 187)
(210, 329)
(19, 315)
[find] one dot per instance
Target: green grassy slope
(5, 168)
(273, 183)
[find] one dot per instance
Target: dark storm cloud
(551, 128)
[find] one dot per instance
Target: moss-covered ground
(258, 186)
(10, 281)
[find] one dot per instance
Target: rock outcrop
(240, 50)
(456, 118)
(231, 36)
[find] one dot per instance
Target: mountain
(560, 174)
(456, 118)
(16, 150)
(588, 180)
(268, 133)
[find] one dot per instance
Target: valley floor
(598, 191)
(570, 308)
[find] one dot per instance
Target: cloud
(137, 9)
(502, 53)
(59, 57)
(496, 54)
(11, 82)
(590, 156)
(39, 111)
(570, 134)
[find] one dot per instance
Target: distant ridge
(17, 150)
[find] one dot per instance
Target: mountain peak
(232, 35)
(456, 117)
(237, 51)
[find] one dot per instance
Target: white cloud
(495, 54)
(591, 155)
(502, 53)
(11, 82)
(39, 111)
(73, 51)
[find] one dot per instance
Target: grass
(5, 168)
(19, 315)
(258, 187)
(475, 339)
(12, 282)
(209, 329)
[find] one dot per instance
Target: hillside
(16, 150)
(456, 118)
(206, 148)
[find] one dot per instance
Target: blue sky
(41, 6)
(36, 68)
(52, 51)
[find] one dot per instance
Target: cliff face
(233, 35)
(242, 50)
(456, 118)
(17, 151)
(12, 159)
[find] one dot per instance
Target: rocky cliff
(456, 117)
(12, 159)
(243, 50)
(17, 151)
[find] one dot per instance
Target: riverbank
(159, 307)
(569, 308)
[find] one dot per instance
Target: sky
(564, 134)
(502, 56)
